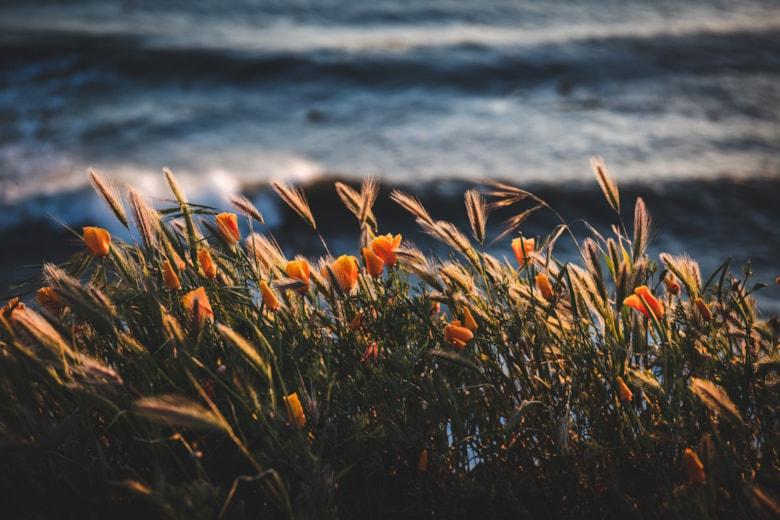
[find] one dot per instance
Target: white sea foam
(185, 30)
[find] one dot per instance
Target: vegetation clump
(199, 373)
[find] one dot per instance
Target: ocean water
(232, 94)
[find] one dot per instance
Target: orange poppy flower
(227, 224)
(345, 269)
(180, 264)
(653, 305)
(198, 298)
(371, 353)
(457, 335)
(299, 269)
(269, 297)
(385, 247)
(693, 466)
(294, 409)
(49, 299)
(671, 283)
(374, 264)
(207, 263)
(170, 279)
(624, 392)
(98, 240)
(523, 247)
(544, 286)
(468, 320)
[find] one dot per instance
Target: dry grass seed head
(147, 220)
(295, 198)
(41, 330)
(245, 206)
(412, 205)
(457, 276)
(265, 252)
(606, 182)
(686, 270)
(591, 255)
(174, 410)
(642, 228)
(95, 373)
(715, 398)
(107, 190)
(178, 193)
(368, 193)
(477, 214)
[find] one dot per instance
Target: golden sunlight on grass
(200, 373)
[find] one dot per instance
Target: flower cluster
(202, 371)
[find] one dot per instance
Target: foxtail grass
(506, 384)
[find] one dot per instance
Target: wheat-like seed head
(477, 213)
(642, 228)
(606, 182)
(41, 330)
(686, 270)
(457, 276)
(176, 410)
(245, 206)
(412, 205)
(147, 220)
(715, 398)
(266, 252)
(295, 198)
(368, 193)
(110, 195)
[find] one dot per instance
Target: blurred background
(682, 100)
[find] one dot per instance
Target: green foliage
(117, 401)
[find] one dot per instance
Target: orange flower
(227, 223)
(294, 409)
(170, 280)
(269, 297)
(422, 462)
(671, 283)
(523, 247)
(48, 298)
(693, 466)
(385, 246)
(299, 269)
(98, 240)
(180, 264)
(197, 304)
(544, 286)
(345, 269)
(371, 352)
(468, 320)
(207, 263)
(653, 305)
(704, 310)
(374, 264)
(457, 335)
(624, 392)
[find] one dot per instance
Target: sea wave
(453, 62)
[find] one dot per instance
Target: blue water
(230, 95)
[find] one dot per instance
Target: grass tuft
(200, 377)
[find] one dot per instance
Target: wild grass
(391, 384)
